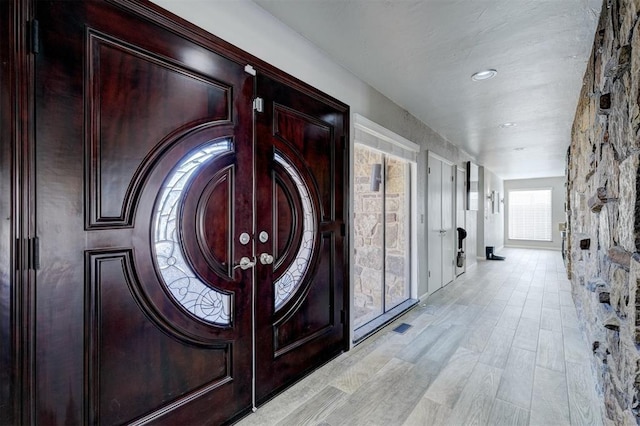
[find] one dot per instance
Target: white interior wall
(490, 225)
(494, 222)
(557, 210)
(472, 232)
(249, 27)
(480, 215)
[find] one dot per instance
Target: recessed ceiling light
(484, 75)
(509, 124)
(518, 149)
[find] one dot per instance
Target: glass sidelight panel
(397, 224)
(369, 235)
(382, 225)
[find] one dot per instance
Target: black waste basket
(490, 255)
(489, 251)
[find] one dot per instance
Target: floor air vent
(402, 328)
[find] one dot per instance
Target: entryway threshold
(375, 325)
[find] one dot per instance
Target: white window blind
(530, 215)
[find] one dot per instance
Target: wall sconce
(494, 199)
(376, 177)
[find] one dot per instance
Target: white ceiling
(421, 54)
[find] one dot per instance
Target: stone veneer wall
(603, 208)
(369, 229)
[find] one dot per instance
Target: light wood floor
(499, 346)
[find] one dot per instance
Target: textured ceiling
(421, 54)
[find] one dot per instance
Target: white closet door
(448, 236)
(435, 224)
(441, 223)
(460, 213)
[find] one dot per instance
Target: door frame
(18, 239)
(17, 200)
(379, 138)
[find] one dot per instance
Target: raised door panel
(144, 116)
(164, 369)
(312, 139)
(300, 177)
(144, 182)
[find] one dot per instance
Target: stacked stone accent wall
(603, 204)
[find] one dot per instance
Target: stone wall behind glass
(369, 232)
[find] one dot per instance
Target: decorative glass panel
(188, 290)
(292, 277)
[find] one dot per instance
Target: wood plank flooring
(501, 345)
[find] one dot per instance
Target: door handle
(266, 259)
(442, 232)
(245, 263)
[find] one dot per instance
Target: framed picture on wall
(472, 186)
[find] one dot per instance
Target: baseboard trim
(534, 248)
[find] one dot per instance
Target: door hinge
(250, 70)
(429, 274)
(429, 170)
(34, 34)
(33, 249)
(451, 178)
(258, 104)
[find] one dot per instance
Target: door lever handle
(245, 263)
(266, 259)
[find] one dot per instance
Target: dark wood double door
(188, 243)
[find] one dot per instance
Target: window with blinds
(529, 214)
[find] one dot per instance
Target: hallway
(500, 346)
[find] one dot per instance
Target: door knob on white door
(266, 259)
